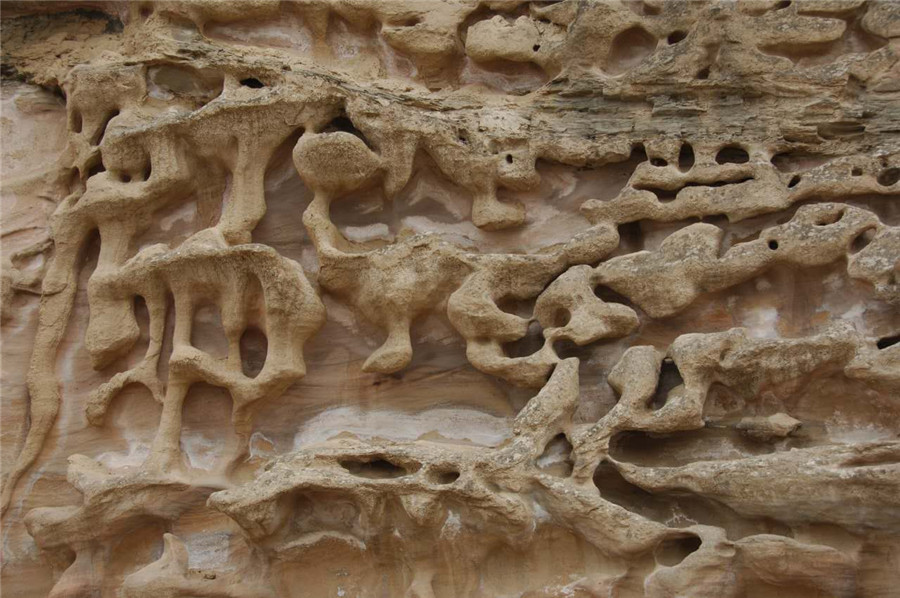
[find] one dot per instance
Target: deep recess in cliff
(467, 298)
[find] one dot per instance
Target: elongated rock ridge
(471, 298)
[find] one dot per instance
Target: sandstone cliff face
(468, 298)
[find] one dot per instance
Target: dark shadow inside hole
(252, 82)
(610, 296)
(888, 341)
(732, 154)
(669, 378)
(658, 162)
(773, 244)
(862, 240)
(444, 476)
(672, 551)
(560, 317)
(827, 219)
(676, 36)
(565, 348)
(342, 123)
(76, 121)
(96, 167)
(631, 237)
(662, 195)
(889, 177)
(376, 469)
(795, 180)
(523, 308)
(168, 341)
(528, 344)
(703, 73)
(685, 157)
(254, 348)
(98, 136)
(856, 172)
(638, 153)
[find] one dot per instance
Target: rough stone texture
(466, 298)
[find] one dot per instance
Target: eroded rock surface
(467, 298)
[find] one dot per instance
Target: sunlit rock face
(434, 299)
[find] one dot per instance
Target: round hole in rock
(889, 177)
(629, 49)
(509, 159)
(560, 318)
(254, 348)
(674, 550)
(773, 244)
(732, 154)
(536, 47)
(658, 162)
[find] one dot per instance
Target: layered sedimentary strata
(465, 298)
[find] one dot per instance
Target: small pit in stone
(446, 476)
(375, 469)
(732, 154)
(669, 379)
(672, 551)
(889, 177)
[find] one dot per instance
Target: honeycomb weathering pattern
(467, 298)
